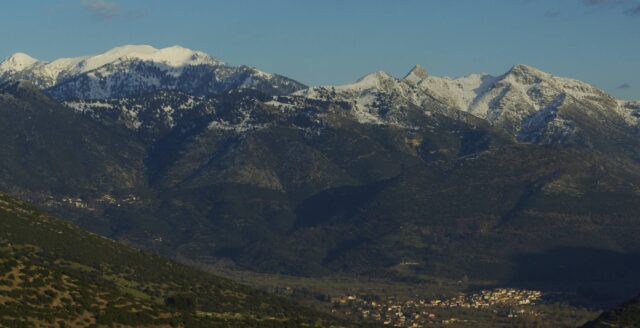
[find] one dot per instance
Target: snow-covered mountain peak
(527, 74)
(134, 69)
(47, 74)
(536, 82)
(89, 63)
(525, 100)
(377, 80)
(417, 74)
(17, 62)
(374, 77)
(128, 50)
(175, 56)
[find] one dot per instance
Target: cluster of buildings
(92, 204)
(491, 298)
(75, 202)
(418, 313)
(391, 312)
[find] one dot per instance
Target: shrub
(181, 302)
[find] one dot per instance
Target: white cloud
(101, 8)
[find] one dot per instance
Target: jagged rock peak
(527, 74)
(375, 76)
(375, 80)
(417, 73)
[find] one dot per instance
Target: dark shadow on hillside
(595, 276)
(336, 204)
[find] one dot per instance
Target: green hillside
(54, 274)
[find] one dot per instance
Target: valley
(395, 191)
(437, 303)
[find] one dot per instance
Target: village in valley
(503, 302)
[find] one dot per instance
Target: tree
(181, 302)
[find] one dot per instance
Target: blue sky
(337, 41)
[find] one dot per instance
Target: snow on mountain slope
(153, 115)
(491, 97)
(175, 56)
(17, 62)
(630, 110)
(417, 74)
(133, 69)
(376, 98)
(161, 111)
(529, 104)
(456, 92)
(132, 77)
(47, 74)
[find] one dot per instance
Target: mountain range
(519, 179)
